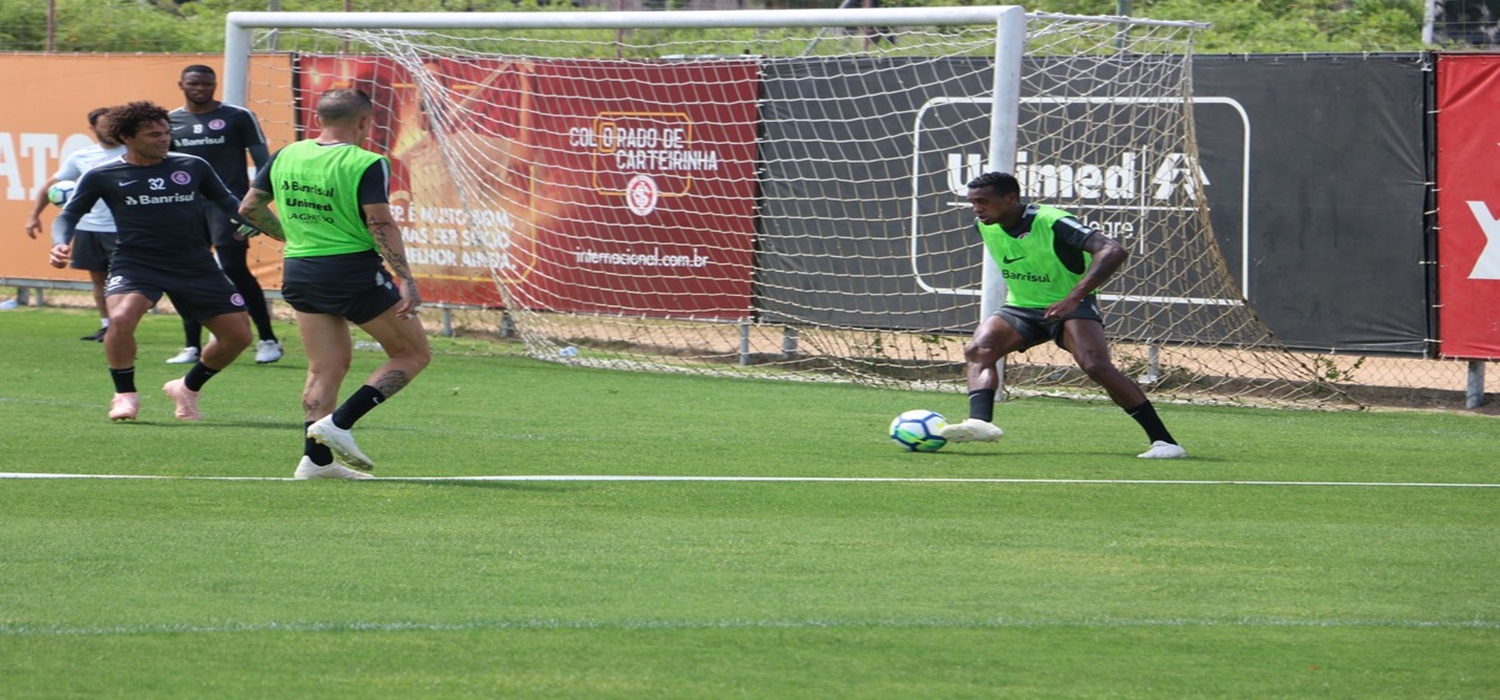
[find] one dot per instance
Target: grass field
(1296, 554)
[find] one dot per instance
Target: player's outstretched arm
(34, 221)
(256, 210)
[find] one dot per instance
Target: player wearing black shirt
(157, 200)
(222, 134)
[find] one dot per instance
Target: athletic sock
(364, 400)
(315, 451)
(198, 376)
(982, 405)
(192, 334)
(1145, 414)
(104, 323)
(124, 380)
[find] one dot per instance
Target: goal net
(669, 191)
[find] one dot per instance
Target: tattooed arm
(256, 210)
(388, 237)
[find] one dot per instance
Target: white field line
(793, 479)
(781, 624)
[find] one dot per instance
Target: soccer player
(157, 200)
(333, 197)
(1052, 264)
(222, 134)
(94, 240)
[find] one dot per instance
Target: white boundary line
(24, 630)
(790, 479)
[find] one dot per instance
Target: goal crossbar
(239, 26)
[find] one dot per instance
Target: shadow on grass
(438, 481)
(173, 424)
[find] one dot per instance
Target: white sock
(104, 323)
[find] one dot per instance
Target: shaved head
(344, 105)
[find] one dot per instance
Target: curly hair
(127, 119)
(1004, 183)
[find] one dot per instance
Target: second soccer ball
(60, 191)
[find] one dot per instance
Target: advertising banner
(860, 225)
(1314, 168)
(40, 126)
(587, 186)
(1334, 191)
(1468, 204)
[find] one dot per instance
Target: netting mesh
(790, 203)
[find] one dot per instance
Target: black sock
(124, 380)
(315, 451)
(198, 376)
(982, 405)
(192, 334)
(355, 407)
(1145, 414)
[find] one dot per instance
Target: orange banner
(44, 117)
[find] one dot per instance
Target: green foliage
(1298, 26)
(1239, 26)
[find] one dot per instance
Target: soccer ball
(60, 191)
(920, 430)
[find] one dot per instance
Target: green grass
(194, 588)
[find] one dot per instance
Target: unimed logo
(1127, 189)
(1130, 175)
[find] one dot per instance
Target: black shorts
(1037, 330)
(355, 286)
(92, 250)
(197, 296)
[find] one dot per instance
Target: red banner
(1468, 203)
(588, 186)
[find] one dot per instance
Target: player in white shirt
(94, 240)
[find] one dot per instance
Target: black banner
(1336, 193)
(837, 243)
(1314, 169)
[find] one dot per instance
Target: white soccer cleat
(125, 406)
(972, 430)
(333, 470)
(341, 442)
(267, 351)
(186, 356)
(1162, 449)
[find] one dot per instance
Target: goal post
(240, 26)
(779, 193)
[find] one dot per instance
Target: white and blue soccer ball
(919, 430)
(61, 191)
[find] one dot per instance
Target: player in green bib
(334, 213)
(1052, 264)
